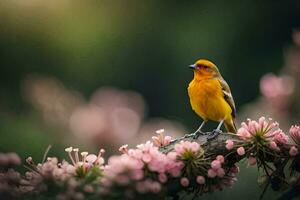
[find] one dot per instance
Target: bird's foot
(214, 134)
(196, 134)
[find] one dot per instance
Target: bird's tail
(230, 126)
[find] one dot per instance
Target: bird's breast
(207, 100)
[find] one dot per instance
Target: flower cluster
(264, 144)
(152, 167)
(260, 139)
(87, 161)
(216, 168)
(204, 172)
(129, 170)
(84, 167)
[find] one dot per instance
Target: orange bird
(211, 98)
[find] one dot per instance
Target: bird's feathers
(227, 95)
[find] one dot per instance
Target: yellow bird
(211, 98)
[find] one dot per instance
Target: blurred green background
(140, 46)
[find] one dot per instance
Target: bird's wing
(227, 95)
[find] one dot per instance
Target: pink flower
(162, 178)
(184, 146)
(161, 140)
(243, 133)
(216, 164)
(240, 151)
(220, 172)
(146, 158)
(293, 151)
(122, 169)
(124, 148)
(262, 129)
(200, 180)
(273, 145)
(295, 133)
(220, 158)
(229, 144)
(184, 181)
(280, 137)
(252, 160)
(91, 158)
(155, 187)
(137, 174)
(211, 173)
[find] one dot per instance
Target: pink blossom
(135, 153)
(252, 160)
(229, 144)
(200, 180)
(262, 129)
(161, 140)
(184, 181)
(172, 155)
(162, 178)
(124, 149)
(211, 173)
(280, 137)
(293, 151)
(91, 158)
(155, 187)
(253, 127)
(220, 158)
(243, 133)
(147, 155)
(146, 158)
(216, 164)
(137, 174)
(241, 151)
(185, 146)
(175, 172)
(295, 133)
(121, 170)
(146, 146)
(273, 145)
(220, 172)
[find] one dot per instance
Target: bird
(210, 97)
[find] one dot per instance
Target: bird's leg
(195, 135)
(198, 132)
(216, 132)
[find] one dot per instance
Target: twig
(46, 153)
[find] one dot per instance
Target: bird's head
(205, 69)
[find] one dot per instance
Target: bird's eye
(205, 67)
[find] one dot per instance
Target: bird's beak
(193, 66)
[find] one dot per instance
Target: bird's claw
(214, 134)
(196, 134)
